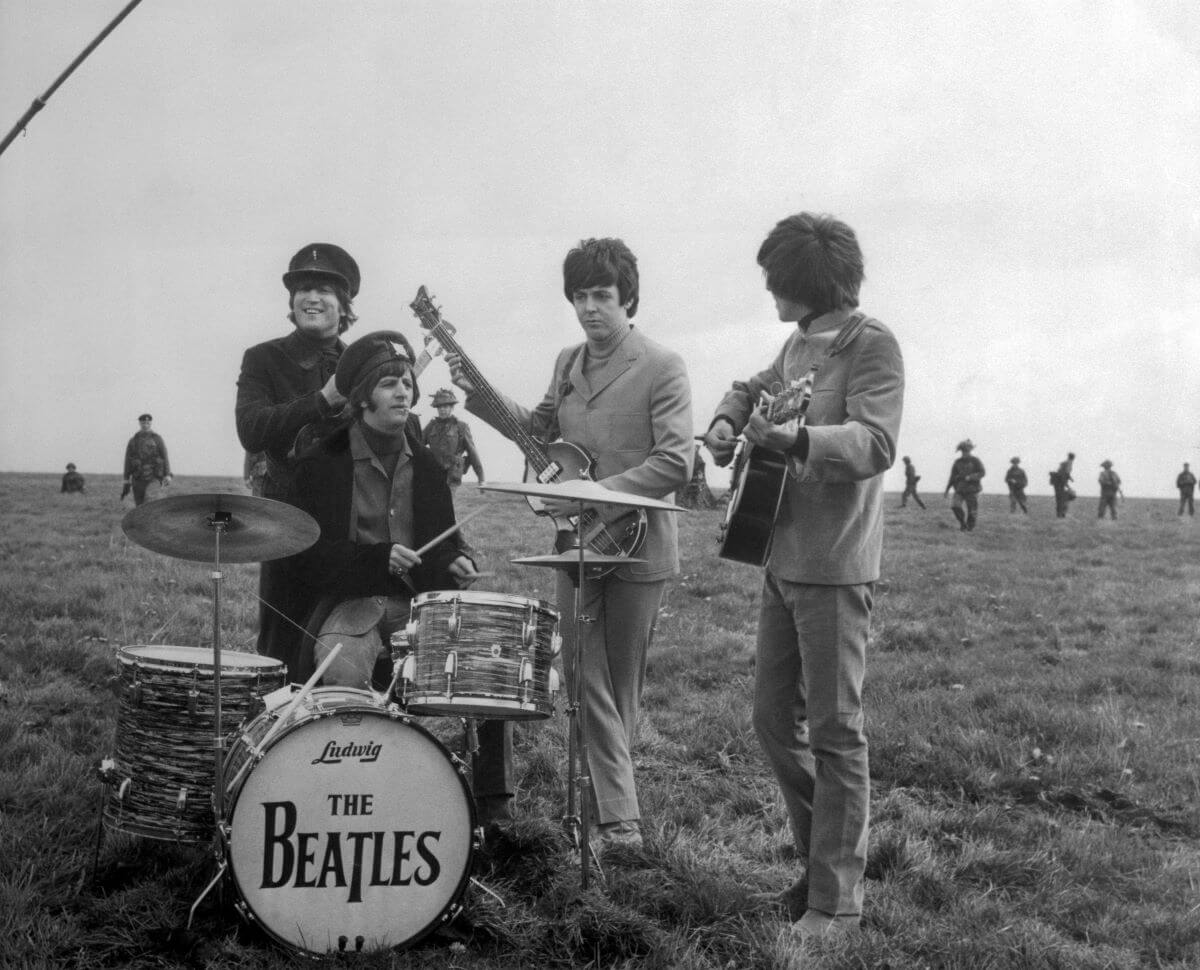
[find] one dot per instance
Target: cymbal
(569, 558)
(255, 529)
(581, 490)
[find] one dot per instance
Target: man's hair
(360, 393)
(345, 304)
(814, 260)
(602, 262)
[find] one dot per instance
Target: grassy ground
(1032, 706)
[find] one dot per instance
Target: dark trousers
(1107, 502)
(1185, 501)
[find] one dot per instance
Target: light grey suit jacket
(830, 525)
(634, 416)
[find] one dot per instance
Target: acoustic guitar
(756, 485)
(545, 462)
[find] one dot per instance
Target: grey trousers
(613, 671)
(809, 719)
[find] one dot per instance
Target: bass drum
(350, 827)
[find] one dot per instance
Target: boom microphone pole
(39, 103)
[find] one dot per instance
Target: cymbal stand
(218, 521)
(579, 770)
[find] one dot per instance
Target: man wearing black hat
(378, 496)
(449, 438)
(965, 476)
(72, 481)
(286, 385)
(145, 461)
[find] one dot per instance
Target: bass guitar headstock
(430, 316)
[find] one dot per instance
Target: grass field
(1033, 704)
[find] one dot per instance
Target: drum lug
(454, 621)
(451, 671)
(123, 789)
(526, 677)
(529, 629)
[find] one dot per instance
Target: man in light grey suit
(824, 559)
(626, 401)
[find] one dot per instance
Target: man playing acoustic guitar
(824, 557)
(627, 402)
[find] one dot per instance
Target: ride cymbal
(251, 529)
(581, 490)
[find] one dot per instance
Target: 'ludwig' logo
(335, 753)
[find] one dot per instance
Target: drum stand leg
(103, 800)
(205, 891)
(577, 747)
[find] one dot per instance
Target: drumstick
(449, 532)
(303, 693)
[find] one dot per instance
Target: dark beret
(145, 417)
(367, 354)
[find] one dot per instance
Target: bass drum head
(354, 832)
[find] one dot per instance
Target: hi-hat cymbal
(581, 490)
(570, 557)
(251, 529)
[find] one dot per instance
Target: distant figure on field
(1064, 495)
(449, 438)
(145, 461)
(910, 484)
(72, 481)
(254, 471)
(1110, 488)
(696, 494)
(1185, 482)
(1016, 480)
(965, 476)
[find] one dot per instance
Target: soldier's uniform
(451, 443)
(1017, 481)
(72, 481)
(1186, 483)
(145, 462)
(1110, 485)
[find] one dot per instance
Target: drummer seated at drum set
(378, 495)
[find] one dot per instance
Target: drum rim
(242, 660)
(482, 597)
(454, 904)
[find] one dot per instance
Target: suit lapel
(621, 360)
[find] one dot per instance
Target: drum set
(338, 821)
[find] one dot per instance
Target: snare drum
(350, 827)
(486, 655)
(164, 754)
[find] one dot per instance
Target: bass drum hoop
(367, 705)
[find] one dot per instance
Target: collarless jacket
(278, 393)
(830, 525)
(634, 417)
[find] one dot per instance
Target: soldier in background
(449, 438)
(1110, 488)
(1017, 481)
(145, 461)
(1061, 480)
(696, 494)
(1186, 483)
(965, 476)
(72, 481)
(910, 484)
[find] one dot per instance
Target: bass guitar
(756, 485)
(545, 462)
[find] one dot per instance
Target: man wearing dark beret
(145, 461)
(379, 495)
(72, 481)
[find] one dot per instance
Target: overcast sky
(1023, 179)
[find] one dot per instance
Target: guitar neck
(506, 423)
